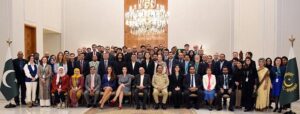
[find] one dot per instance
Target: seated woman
(76, 87)
(108, 84)
(124, 81)
(176, 86)
(209, 84)
(60, 84)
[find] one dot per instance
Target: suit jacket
(101, 67)
(217, 67)
(64, 84)
(187, 81)
(205, 66)
(146, 81)
(90, 56)
(174, 63)
(133, 71)
(174, 82)
(150, 68)
(97, 82)
(111, 83)
(220, 82)
(20, 74)
(183, 66)
(118, 65)
(86, 67)
(71, 67)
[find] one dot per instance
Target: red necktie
(208, 87)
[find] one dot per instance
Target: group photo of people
(150, 77)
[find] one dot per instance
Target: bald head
(20, 55)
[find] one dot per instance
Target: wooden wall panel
(30, 40)
(131, 40)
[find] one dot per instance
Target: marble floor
(126, 110)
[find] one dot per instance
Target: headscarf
(75, 77)
(58, 75)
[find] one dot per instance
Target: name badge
(247, 79)
(277, 80)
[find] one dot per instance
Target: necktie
(92, 81)
(192, 81)
(186, 67)
(226, 82)
(196, 67)
(208, 86)
(170, 67)
(81, 66)
(105, 64)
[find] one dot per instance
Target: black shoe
(210, 108)
(88, 106)
(156, 106)
(275, 110)
(95, 106)
(144, 107)
(270, 107)
(219, 108)
(247, 110)
(280, 110)
(176, 107)
(164, 106)
(138, 107)
(9, 105)
(231, 109)
(23, 103)
(17, 104)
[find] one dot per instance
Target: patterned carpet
(133, 111)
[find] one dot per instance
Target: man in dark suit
(225, 85)
(133, 66)
(192, 85)
(148, 64)
(94, 52)
(19, 64)
(83, 65)
(220, 64)
(102, 69)
(71, 64)
(186, 64)
(142, 85)
(171, 62)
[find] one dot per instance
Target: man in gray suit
(92, 87)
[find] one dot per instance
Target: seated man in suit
(92, 87)
(192, 85)
(225, 85)
(142, 84)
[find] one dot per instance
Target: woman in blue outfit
(277, 79)
(108, 83)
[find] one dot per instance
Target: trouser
(176, 98)
(87, 97)
(164, 93)
(187, 99)
(238, 97)
(145, 96)
(44, 102)
(30, 91)
(23, 92)
(220, 96)
(59, 97)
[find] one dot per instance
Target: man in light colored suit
(92, 87)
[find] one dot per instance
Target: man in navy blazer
(102, 69)
(171, 62)
(83, 65)
(192, 85)
(220, 64)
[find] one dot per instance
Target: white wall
(93, 21)
(52, 43)
(206, 22)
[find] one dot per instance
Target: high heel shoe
(120, 107)
(112, 103)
